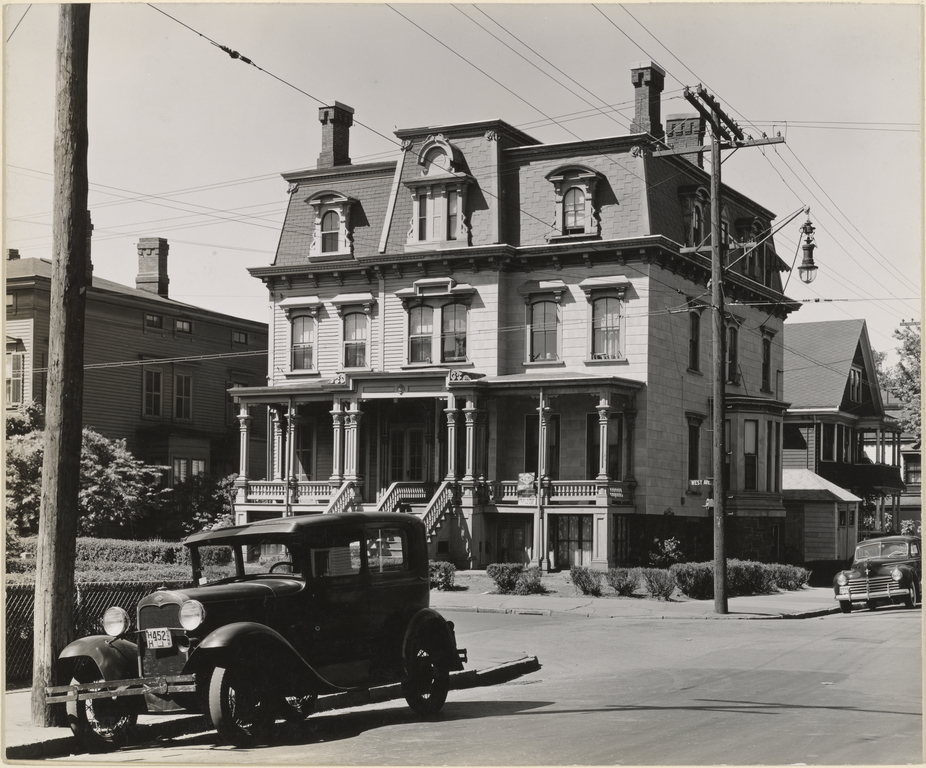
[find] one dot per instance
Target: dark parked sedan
(888, 570)
(279, 612)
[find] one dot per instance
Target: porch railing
(303, 491)
(343, 500)
(439, 506)
(567, 492)
(404, 493)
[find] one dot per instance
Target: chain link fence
(91, 600)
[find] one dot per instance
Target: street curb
(185, 726)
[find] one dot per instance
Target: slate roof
(817, 359)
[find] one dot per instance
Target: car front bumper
(164, 685)
(859, 595)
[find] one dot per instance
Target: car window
(914, 549)
(217, 561)
(335, 553)
(895, 549)
(867, 551)
(387, 550)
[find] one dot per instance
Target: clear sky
(188, 144)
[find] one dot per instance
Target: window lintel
(347, 300)
(536, 289)
(309, 304)
(594, 285)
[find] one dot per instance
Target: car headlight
(896, 575)
(192, 614)
(116, 621)
(842, 579)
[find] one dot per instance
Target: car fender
(427, 620)
(262, 649)
(115, 657)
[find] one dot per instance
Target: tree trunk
(57, 540)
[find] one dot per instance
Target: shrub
(623, 580)
(529, 582)
(665, 552)
(441, 574)
(505, 576)
(660, 583)
(587, 581)
(694, 580)
(747, 577)
(789, 577)
(98, 551)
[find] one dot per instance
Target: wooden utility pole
(725, 134)
(57, 540)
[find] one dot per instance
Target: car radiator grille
(876, 584)
(160, 661)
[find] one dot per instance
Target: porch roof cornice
(555, 383)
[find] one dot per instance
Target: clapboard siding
(819, 531)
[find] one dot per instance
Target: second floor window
(544, 331)
(355, 340)
(694, 341)
(331, 224)
(912, 472)
(694, 450)
(303, 349)
(750, 455)
(154, 321)
(420, 331)
(855, 385)
(14, 378)
(732, 355)
(767, 364)
(453, 333)
(606, 329)
(152, 393)
(183, 326)
(183, 396)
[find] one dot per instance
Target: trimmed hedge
(744, 577)
(623, 580)
(515, 579)
(660, 582)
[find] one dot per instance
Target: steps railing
(402, 492)
(439, 506)
(343, 500)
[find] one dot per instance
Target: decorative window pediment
(595, 285)
(436, 287)
(533, 289)
(575, 212)
(346, 301)
(294, 305)
(332, 233)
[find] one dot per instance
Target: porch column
(604, 420)
(542, 468)
(337, 418)
(244, 426)
(452, 415)
(482, 425)
(291, 490)
(879, 447)
(277, 449)
(630, 417)
(352, 441)
(469, 414)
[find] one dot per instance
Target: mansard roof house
(157, 370)
(508, 338)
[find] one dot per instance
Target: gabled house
(157, 371)
(836, 427)
(512, 340)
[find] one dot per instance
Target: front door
(406, 455)
(514, 541)
(573, 540)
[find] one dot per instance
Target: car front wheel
(241, 711)
(845, 606)
(428, 681)
(910, 600)
(101, 725)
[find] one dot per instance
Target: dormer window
(574, 202)
(696, 215)
(332, 235)
(438, 198)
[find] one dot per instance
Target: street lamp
(807, 269)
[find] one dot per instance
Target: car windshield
(255, 557)
(881, 549)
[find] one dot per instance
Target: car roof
(297, 524)
(894, 537)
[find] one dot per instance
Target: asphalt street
(835, 689)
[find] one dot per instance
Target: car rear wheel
(428, 681)
(845, 606)
(101, 725)
(241, 710)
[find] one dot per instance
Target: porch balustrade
(303, 492)
(612, 492)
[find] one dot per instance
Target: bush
(694, 580)
(747, 577)
(505, 576)
(587, 581)
(665, 552)
(123, 550)
(660, 583)
(623, 580)
(529, 582)
(789, 577)
(441, 575)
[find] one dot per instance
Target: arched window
(303, 344)
(732, 355)
(330, 226)
(697, 227)
(436, 161)
(453, 333)
(694, 341)
(420, 330)
(544, 331)
(606, 328)
(574, 212)
(355, 340)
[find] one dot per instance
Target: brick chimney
(687, 131)
(12, 254)
(336, 121)
(648, 80)
(152, 265)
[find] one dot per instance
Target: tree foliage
(906, 378)
(25, 419)
(116, 489)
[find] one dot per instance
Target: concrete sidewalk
(22, 741)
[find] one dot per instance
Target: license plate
(842, 591)
(158, 638)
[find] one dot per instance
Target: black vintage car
(279, 612)
(885, 570)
